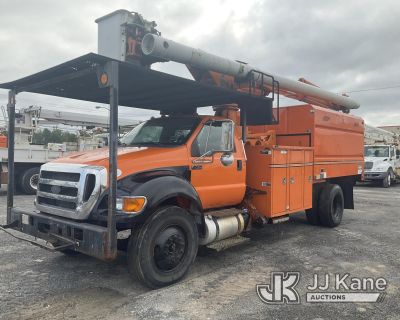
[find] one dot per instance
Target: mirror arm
(202, 156)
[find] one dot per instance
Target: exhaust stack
(165, 49)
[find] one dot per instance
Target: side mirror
(227, 159)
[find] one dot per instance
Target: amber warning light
(131, 204)
(104, 78)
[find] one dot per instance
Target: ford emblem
(55, 189)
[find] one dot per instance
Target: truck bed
(31, 154)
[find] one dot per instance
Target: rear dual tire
(328, 207)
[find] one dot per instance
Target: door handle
(284, 180)
(197, 167)
(291, 180)
(239, 165)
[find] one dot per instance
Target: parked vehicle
(382, 164)
(182, 180)
(381, 153)
(29, 156)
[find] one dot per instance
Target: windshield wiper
(121, 144)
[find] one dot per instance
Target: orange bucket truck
(181, 180)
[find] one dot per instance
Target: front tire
(331, 205)
(387, 181)
(161, 252)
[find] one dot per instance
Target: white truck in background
(382, 156)
(29, 157)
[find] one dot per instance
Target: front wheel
(387, 181)
(161, 252)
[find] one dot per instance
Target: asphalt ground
(38, 284)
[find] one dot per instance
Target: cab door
(218, 165)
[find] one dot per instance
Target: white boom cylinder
(159, 47)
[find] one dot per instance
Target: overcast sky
(340, 45)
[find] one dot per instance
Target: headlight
(131, 205)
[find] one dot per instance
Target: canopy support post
(11, 134)
(243, 120)
(111, 245)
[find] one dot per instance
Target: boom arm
(33, 114)
(161, 48)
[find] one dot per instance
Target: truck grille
(56, 203)
(67, 176)
(59, 189)
(368, 165)
(69, 190)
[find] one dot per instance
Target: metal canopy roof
(138, 87)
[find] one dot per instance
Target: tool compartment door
(308, 178)
(296, 179)
(279, 183)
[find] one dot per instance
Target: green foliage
(46, 136)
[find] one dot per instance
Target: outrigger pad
(139, 87)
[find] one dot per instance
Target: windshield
(164, 131)
(376, 151)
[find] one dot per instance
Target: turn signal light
(133, 204)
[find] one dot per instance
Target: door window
(214, 136)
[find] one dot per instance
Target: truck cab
(201, 158)
(382, 164)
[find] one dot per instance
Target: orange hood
(132, 159)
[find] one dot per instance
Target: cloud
(340, 45)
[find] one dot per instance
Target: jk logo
(281, 289)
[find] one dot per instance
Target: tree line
(46, 136)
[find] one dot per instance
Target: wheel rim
(33, 181)
(337, 207)
(169, 248)
(389, 179)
